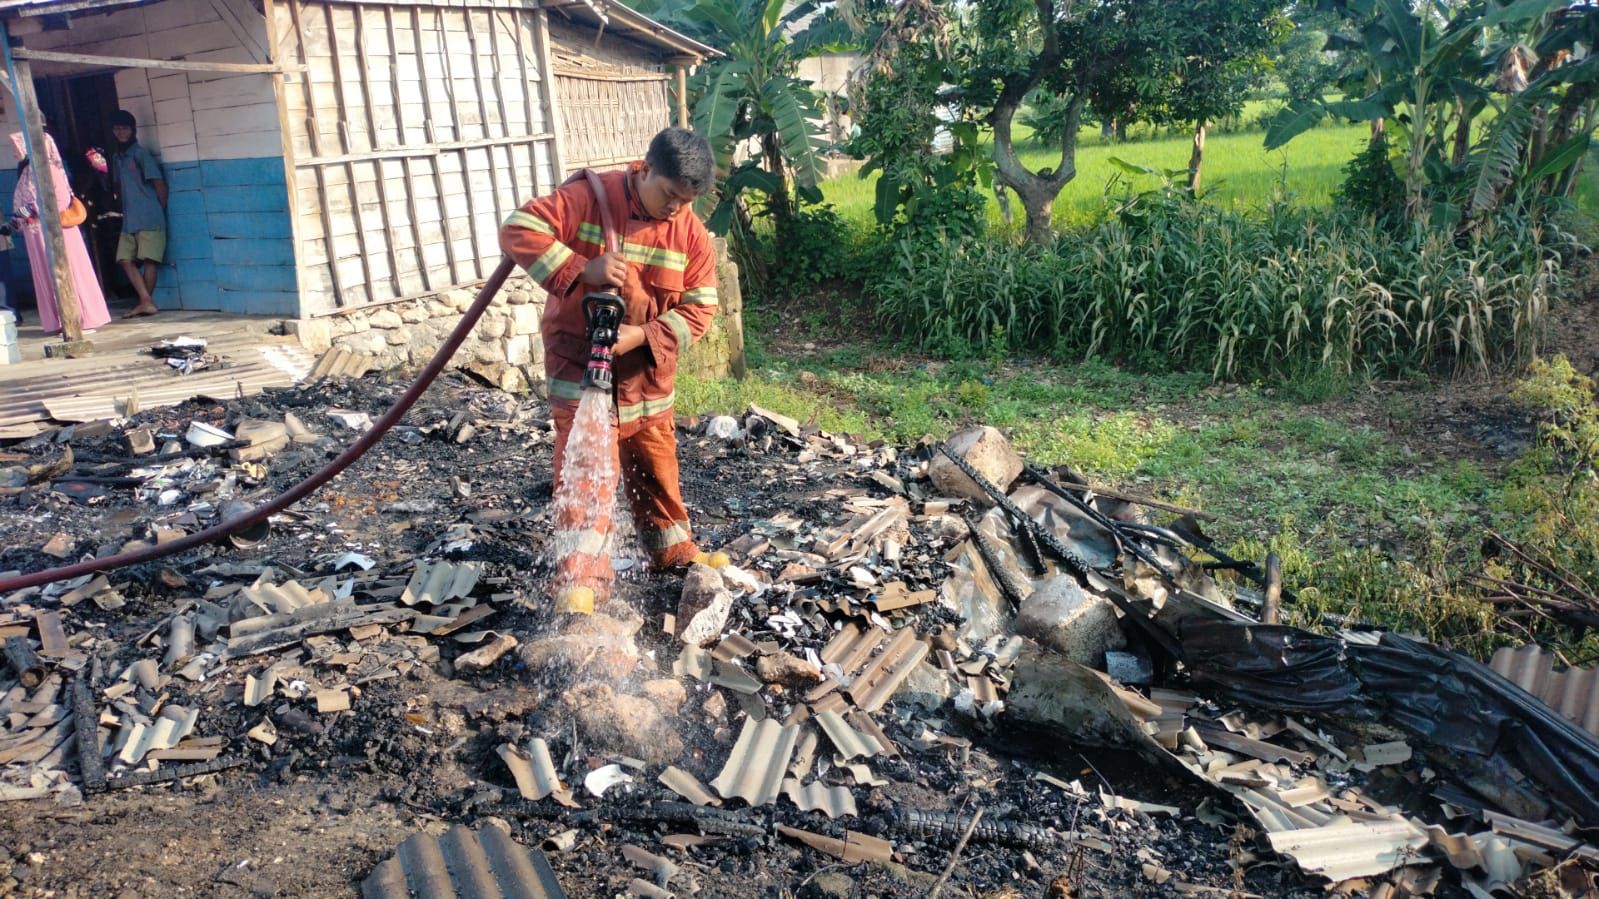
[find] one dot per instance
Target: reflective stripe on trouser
(648, 462)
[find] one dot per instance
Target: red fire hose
(299, 491)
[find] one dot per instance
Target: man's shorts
(142, 246)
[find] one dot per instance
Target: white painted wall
(183, 116)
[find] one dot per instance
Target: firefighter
(665, 272)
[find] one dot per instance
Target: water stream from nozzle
(585, 505)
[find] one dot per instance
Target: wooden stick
(313, 139)
(476, 267)
(955, 857)
(528, 82)
(1272, 608)
(496, 195)
(1587, 597)
(547, 96)
(438, 177)
(682, 96)
(349, 170)
(1137, 500)
(405, 161)
(129, 62)
(363, 62)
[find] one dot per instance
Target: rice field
(1238, 172)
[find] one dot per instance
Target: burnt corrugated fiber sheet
(487, 864)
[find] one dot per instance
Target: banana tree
(1432, 71)
(753, 94)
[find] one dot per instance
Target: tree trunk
(1462, 146)
(1376, 129)
(1036, 191)
(1197, 158)
(1040, 209)
(773, 151)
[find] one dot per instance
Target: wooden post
(55, 244)
(1271, 609)
(552, 104)
(681, 71)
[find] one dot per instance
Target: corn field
(1169, 284)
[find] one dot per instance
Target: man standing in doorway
(137, 180)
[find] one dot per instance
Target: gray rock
(703, 608)
(831, 885)
(722, 427)
(983, 448)
(1078, 625)
(385, 318)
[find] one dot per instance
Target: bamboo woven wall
(613, 97)
(610, 122)
(414, 131)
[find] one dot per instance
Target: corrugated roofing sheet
(849, 742)
(155, 385)
(873, 687)
(439, 582)
(1347, 848)
(342, 363)
(486, 863)
(1573, 692)
(688, 786)
(754, 772)
(815, 796)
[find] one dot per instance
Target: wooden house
(329, 157)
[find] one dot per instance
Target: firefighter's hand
(605, 270)
(628, 338)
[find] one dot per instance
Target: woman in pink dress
(92, 312)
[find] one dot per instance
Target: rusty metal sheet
(833, 802)
(463, 863)
(754, 772)
(1573, 692)
(883, 675)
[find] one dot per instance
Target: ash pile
(932, 668)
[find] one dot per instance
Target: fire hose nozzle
(602, 311)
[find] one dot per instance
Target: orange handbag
(75, 214)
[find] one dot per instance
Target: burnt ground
(313, 814)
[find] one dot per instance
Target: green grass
(1238, 172)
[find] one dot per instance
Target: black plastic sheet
(1440, 697)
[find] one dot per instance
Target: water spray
(585, 495)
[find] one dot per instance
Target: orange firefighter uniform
(670, 292)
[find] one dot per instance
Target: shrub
(1173, 283)
(1372, 186)
(813, 245)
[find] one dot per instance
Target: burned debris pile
(933, 668)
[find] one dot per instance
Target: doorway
(77, 109)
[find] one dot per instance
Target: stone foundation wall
(505, 348)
